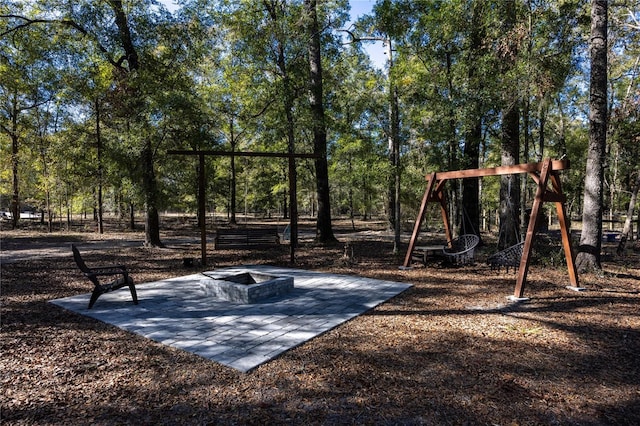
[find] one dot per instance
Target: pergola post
(293, 209)
(202, 185)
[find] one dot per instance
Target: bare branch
(65, 22)
(26, 23)
(636, 23)
(355, 39)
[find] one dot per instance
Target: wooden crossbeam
(501, 170)
(243, 154)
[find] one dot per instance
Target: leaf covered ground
(450, 350)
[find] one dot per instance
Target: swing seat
(508, 258)
(461, 250)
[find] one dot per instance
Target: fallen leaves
(451, 350)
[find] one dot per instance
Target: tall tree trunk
(15, 198)
(324, 232)
(394, 153)
(150, 188)
(100, 168)
(590, 241)
(288, 98)
(15, 149)
(510, 139)
(626, 230)
(470, 222)
(509, 184)
(149, 183)
(453, 146)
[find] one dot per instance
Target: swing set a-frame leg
(543, 195)
(432, 193)
(419, 220)
(564, 230)
(518, 292)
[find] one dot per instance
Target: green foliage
(223, 74)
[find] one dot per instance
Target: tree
(127, 69)
(268, 37)
(474, 118)
(276, 13)
(590, 240)
(26, 83)
(388, 24)
(135, 102)
(626, 230)
(324, 232)
(510, 135)
(357, 155)
(623, 137)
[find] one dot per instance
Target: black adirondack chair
(118, 273)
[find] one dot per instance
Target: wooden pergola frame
(541, 173)
(293, 208)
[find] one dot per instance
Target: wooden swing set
(542, 173)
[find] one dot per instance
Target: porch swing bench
(507, 258)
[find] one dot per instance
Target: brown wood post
(445, 217)
(293, 210)
(202, 210)
(564, 231)
(531, 229)
(419, 220)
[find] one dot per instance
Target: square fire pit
(244, 287)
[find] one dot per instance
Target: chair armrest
(108, 271)
(110, 267)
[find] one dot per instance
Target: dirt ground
(450, 350)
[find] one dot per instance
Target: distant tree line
(94, 93)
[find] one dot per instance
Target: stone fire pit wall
(244, 287)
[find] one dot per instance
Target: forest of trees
(94, 93)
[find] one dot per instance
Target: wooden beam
(501, 170)
(242, 154)
(445, 217)
(440, 187)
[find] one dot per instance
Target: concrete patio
(178, 312)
